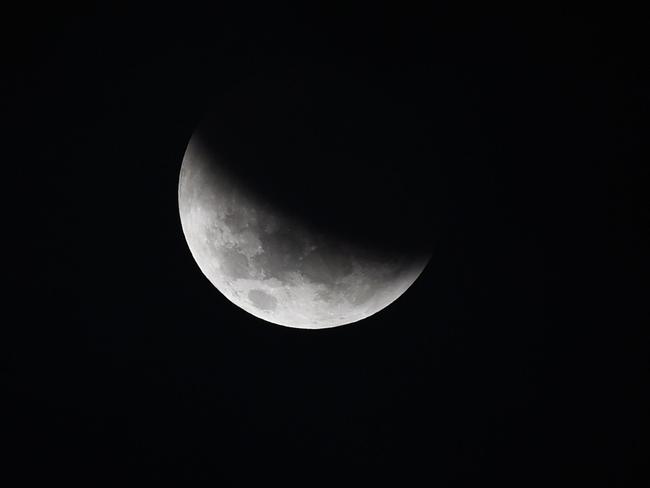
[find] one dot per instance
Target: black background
(518, 357)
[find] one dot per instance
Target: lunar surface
(273, 266)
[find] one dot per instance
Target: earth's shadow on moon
(337, 151)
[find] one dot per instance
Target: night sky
(518, 140)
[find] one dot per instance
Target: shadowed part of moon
(275, 267)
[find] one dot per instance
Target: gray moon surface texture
(273, 266)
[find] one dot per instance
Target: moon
(301, 198)
(272, 265)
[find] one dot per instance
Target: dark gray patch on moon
(235, 223)
(262, 300)
(286, 247)
(326, 267)
(234, 263)
(364, 294)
